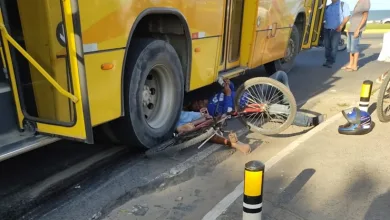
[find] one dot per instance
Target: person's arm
(228, 104)
(364, 10)
(346, 15)
(211, 106)
(228, 99)
(324, 19)
(363, 21)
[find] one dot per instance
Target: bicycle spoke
(386, 100)
(267, 95)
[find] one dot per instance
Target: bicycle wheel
(384, 100)
(342, 44)
(179, 143)
(279, 105)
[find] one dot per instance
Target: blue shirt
(334, 15)
(220, 103)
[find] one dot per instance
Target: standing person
(357, 26)
(336, 16)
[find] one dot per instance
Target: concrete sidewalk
(329, 176)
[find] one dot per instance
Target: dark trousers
(331, 42)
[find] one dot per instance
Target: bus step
(16, 143)
(7, 111)
(228, 74)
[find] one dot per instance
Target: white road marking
(231, 197)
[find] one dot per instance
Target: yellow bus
(72, 65)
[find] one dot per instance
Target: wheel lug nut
(150, 106)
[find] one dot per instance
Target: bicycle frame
(219, 122)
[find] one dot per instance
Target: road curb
(40, 192)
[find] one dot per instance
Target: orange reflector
(195, 35)
(197, 49)
(107, 66)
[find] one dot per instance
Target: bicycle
(384, 93)
(250, 101)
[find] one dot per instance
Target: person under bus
(223, 102)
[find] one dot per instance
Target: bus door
(315, 11)
(44, 57)
(230, 57)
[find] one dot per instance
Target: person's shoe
(318, 119)
(327, 64)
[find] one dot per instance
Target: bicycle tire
(160, 148)
(264, 80)
(344, 46)
(178, 147)
(381, 115)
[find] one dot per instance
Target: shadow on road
(372, 108)
(379, 208)
(302, 198)
(295, 186)
(369, 59)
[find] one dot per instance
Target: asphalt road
(68, 180)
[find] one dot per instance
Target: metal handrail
(45, 74)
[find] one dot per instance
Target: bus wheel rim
(289, 51)
(158, 96)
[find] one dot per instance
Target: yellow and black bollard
(365, 95)
(253, 190)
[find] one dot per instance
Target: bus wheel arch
(153, 94)
(169, 25)
(163, 31)
(300, 23)
(294, 47)
(287, 63)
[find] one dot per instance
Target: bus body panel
(203, 70)
(109, 29)
(104, 86)
(223, 36)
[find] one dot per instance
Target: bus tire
(153, 93)
(287, 63)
